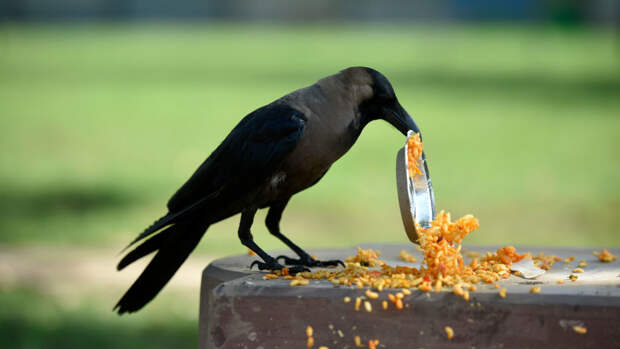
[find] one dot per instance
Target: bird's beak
(399, 118)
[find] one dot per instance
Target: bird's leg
(273, 224)
(245, 235)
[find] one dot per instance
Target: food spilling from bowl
(437, 235)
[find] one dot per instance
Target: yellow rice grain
(535, 289)
(372, 295)
(367, 306)
(449, 332)
(580, 329)
(358, 341)
(502, 293)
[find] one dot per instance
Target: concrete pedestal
(238, 309)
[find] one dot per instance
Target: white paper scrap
(527, 268)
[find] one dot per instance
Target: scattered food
(358, 303)
(366, 258)
(502, 293)
(347, 299)
(573, 277)
(605, 256)
(368, 306)
(372, 344)
(449, 332)
(535, 289)
(372, 295)
(309, 334)
(580, 329)
(358, 341)
(569, 259)
(384, 305)
(406, 256)
(577, 270)
(582, 264)
(560, 282)
(299, 282)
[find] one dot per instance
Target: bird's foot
(308, 261)
(274, 265)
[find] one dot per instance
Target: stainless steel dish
(415, 194)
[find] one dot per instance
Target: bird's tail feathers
(170, 219)
(174, 246)
(145, 248)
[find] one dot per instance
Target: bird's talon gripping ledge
(274, 265)
(310, 262)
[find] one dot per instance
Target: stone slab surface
(241, 310)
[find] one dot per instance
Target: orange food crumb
(358, 341)
(310, 342)
(449, 332)
(414, 151)
(372, 344)
(605, 256)
(366, 258)
(535, 289)
(406, 256)
(502, 293)
(560, 281)
(372, 295)
(580, 329)
(309, 331)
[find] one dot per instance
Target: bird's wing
(252, 151)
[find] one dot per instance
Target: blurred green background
(101, 123)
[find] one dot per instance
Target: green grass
(101, 123)
(32, 319)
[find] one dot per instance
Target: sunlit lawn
(101, 123)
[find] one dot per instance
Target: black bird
(273, 153)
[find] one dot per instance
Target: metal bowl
(415, 194)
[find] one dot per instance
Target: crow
(273, 153)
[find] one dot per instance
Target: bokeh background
(107, 106)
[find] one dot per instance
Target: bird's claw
(274, 265)
(310, 262)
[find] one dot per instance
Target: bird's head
(376, 98)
